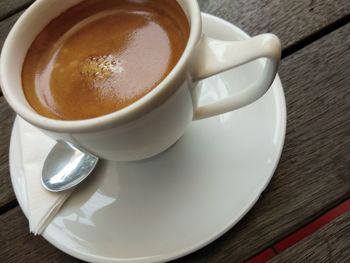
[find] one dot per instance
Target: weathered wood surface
(17, 245)
(10, 7)
(10, 11)
(6, 120)
(290, 20)
(329, 244)
(313, 174)
(232, 11)
(6, 25)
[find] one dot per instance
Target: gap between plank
(313, 37)
(286, 52)
(7, 207)
(301, 233)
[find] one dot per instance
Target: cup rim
(135, 110)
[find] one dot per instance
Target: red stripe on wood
(312, 227)
(262, 257)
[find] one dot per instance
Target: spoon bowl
(66, 166)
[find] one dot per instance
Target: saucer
(170, 205)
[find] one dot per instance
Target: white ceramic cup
(157, 120)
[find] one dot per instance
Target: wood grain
(10, 7)
(329, 244)
(17, 245)
(5, 27)
(290, 20)
(6, 120)
(313, 174)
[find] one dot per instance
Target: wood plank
(6, 120)
(329, 244)
(313, 174)
(5, 27)
(290, 20)
(314, 171)
(17, 245)
(10, 7)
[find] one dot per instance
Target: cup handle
(215, 56)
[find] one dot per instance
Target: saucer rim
(282, 117)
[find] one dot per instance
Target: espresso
(100, 56)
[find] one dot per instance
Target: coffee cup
(157, 120)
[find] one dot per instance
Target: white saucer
(173, 204)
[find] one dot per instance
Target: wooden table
(313, 176)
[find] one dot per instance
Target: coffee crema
(100, 56)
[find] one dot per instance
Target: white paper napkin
(42, 204)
